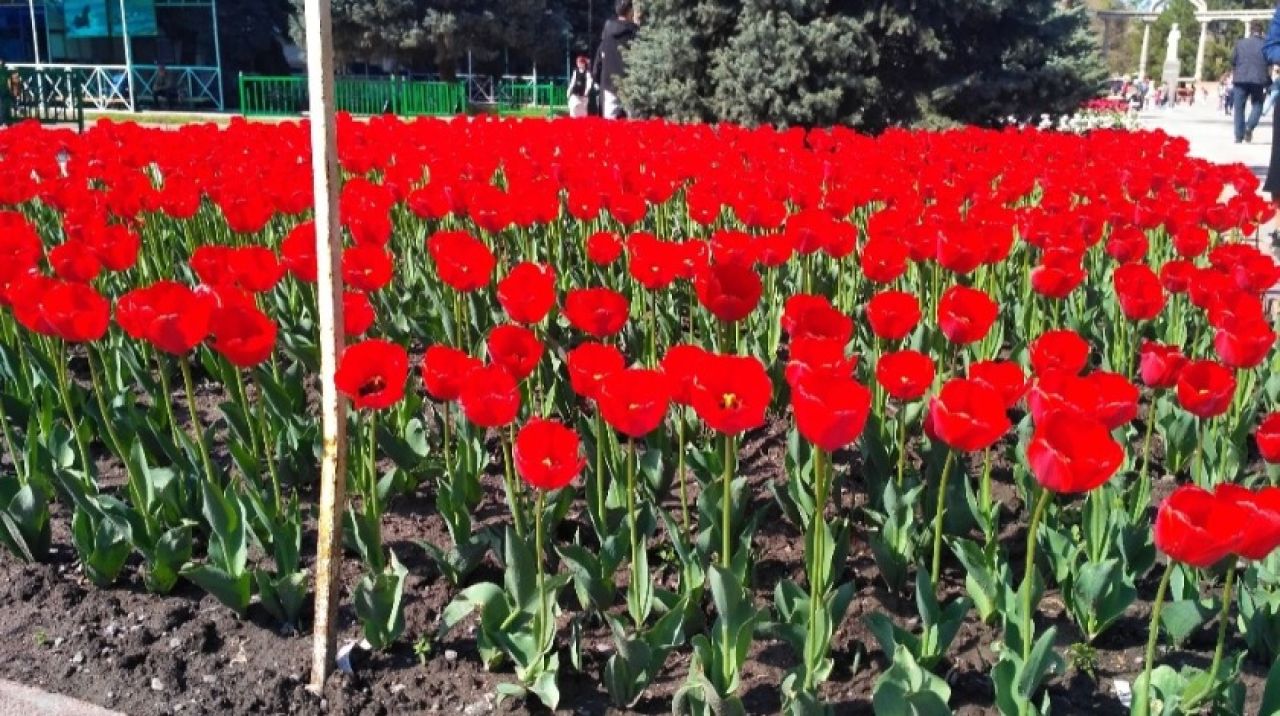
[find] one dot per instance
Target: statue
(1171, 51)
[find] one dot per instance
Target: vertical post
(35, 33)
(324, 167)
(1204, 39)
(217, 54)
(1146, 48)
(128, 55)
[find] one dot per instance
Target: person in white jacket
(580, 85)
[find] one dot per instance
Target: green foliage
(814, 62)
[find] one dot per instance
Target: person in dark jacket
(1271, 54)
(581, 84)
(1250, 76)
(610, 67)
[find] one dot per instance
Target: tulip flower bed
(668, 418)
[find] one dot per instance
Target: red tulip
(367, 268)
(1160, 365)
(515, 348)
(1245, 345)
(653, 263)
(1268, 438)
(965, 314)
(830, 412)
(806, 316)
(169, 315)
(816, 355)
(732, 393)
(906, 375)
(730, 291)
(547, 455)
(884, 260)
(893, 315)
(1117, 398)
(682, 365)
(968, 416)
(1004, 377)
(74, 262)
(256, 268)
(1058, 274)
(1205, 388)
(590, 364)
(445, 371)
(490, 397)
(528, 292)
(1261, 513)
(462, 261)
(634, 401)
(213, 265)
(298, 252)
(357, 313)
(73, 312)
(602, 312)
(244, 335)
(603, 248)
(1195, 528)
(1139, 292)
(1070, 454)
(1057, 391)
(372, 374)
(1059, 350)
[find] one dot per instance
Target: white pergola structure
(1204, 17)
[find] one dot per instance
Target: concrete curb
(19, 700)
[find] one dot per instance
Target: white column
(35, 33)
(1204, 39)
(1146, 49)
(128, 55)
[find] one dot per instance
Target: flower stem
(373, 510)
(1028, 572)
(818, 524)
(633, 527)
(268, 456)
(196, 429)
(1146, 441)
(537, 539)
(508, 473)
(1154, 635)
(902, 445)
(684, 489)
(600, 491)
(1223, 619)
(937, 517)
(726, 503)
(64, 388)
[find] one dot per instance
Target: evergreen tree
(874, 64)
(806, 66)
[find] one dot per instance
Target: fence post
(240, 91)
(324, 165)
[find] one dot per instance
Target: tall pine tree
(874, 64)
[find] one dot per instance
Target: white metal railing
(105, 86)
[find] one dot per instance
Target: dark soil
(185, 653)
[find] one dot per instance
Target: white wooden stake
(324, 166)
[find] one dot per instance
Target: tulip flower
(528, 293)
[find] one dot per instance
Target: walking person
(1273, 94)
(1250, 76)
(1271, 54)
(581, 83)
(610, 67)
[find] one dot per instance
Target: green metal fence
(521, 95)
(47, 96)
(285, 96)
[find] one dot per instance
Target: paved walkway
(1212, 136)
(18, 700)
